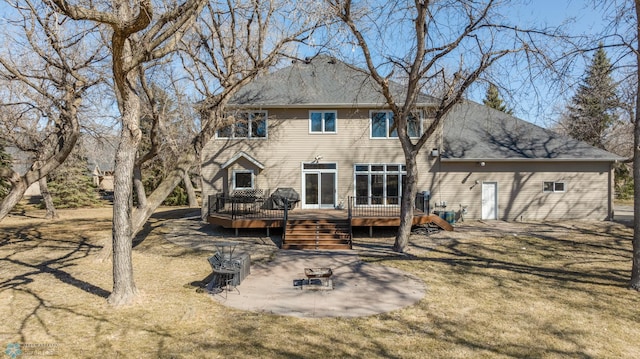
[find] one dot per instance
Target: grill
(284, 196)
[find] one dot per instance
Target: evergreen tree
(71, 186)
(593, 108)
(492, 99)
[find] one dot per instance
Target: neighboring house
(102, 179)
(323, 128)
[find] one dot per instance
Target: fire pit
(317, 278)
(313, 273)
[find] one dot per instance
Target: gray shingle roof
(471, 131)
(322, 81)
(476, 132)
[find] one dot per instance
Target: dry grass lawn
(495, 290)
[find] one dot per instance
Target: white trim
(249, 127)
(323, 131)
(387, 137)
(244, 155)
(233, 179)
(553, 189)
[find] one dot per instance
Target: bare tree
(46, 73)
(138, 34)
(230, 45)
(634, 45)
(449, 45)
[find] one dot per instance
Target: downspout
(612, 191)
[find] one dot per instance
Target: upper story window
(322, 121)
(382, 125)
(553, 187)
(251, 124)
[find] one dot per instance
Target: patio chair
(225, 273)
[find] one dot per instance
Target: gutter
(462, 160)
(312, 106)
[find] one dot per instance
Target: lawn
(495, 289)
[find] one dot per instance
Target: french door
(319, 185)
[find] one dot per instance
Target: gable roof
(320, 82)
(244, 155)
(473, 132)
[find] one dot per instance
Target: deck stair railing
(285, 218)
(350, 216)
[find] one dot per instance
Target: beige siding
(290, 144)
(520, 196)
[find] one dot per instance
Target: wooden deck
(370, 220)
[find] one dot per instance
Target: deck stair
(317, 234)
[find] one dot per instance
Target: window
(242, 180)
(246, 125)
(382, 125)
(553, 187)
(379, 184)
(322, 121)
(319, 166)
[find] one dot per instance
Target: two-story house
(322, 127)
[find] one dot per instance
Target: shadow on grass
(73, 252)
(22, 250)
(553, 255)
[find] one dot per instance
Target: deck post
(236, 232)
(370, 231)
(268, 232)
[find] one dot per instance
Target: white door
(489, 200)
(319, 190)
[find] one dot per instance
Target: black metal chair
(226, 274)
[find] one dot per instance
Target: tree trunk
(191, 192)
(408, 204)
(14, 196)
(48, 200)
(635, 268)
(204, 210)
(155, 199)
(124, 288)
(141, 195)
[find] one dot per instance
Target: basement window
(553, 187)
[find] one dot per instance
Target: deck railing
(379, 206)
(249, 207)
(253, 207)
